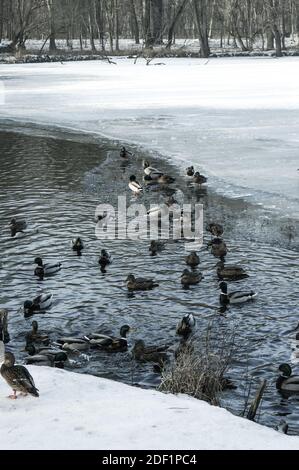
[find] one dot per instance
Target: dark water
(56, 184)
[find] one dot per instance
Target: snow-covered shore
(77, 411)
(235, 118)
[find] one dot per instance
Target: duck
(124, 153)
(163, 209)
(4, 334)
(236, 297)
(199, 179)
(77, 245)
(35, 337)
(230, 272)
(150, 171)
(17, 226)
(105, 259)
(156, 247)
(134, 185)
(215, 229)
(47, 269)
(185, 326)
(189, 278)
(155, 354)
(192, 259)
(73, 344)
(39, 304)
(140, 283)
(17, 377)
(218, 248)
(165, 179)
(287, 382)
(111, 343)
(46, 356)
(190, 171)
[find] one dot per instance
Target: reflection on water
(57, 184)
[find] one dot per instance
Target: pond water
(56, 182)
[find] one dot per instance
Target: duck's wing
(24, 378)
(291, 384)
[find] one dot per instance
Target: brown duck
(17, 377)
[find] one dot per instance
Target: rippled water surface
(56, 184)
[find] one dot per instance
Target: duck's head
(223, 287)
(104, 253)
(285, 369)
(188, 320)
(34, 325)
(130, 277)
(132, 178)
(146, 164)
(30, 349)
(220, 264)
(139, 345)
(171, 201)
(28, 306)
(185, 272)
(13, 222)
(9, 359)
(38, 261)
(125, 329)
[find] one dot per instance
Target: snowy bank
(77, 411)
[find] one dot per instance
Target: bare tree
(200, 10)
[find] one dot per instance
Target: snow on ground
(77, 411)
(236, 118)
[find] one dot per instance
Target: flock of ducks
(40, 349)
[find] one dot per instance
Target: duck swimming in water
(236, 297)
(73, 344)
(189, 278)
(192, 259)
(37, 305)
(134, 185)
(190, 171)
(105, 260)
(17, 226)
(153, 173)
(47, 269)
(111, 343)
(77, 245)
(287, 382)
(218, 248)
(45, 356)
(230, 272)
(124, 153)
(199, 179)
(215, 229)
(17, 377)
(186, 325)
(35, 337)
(4, 335)
(149, 354)
(140, 283)
(156, 247)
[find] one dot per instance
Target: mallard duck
(236, 297)
(149, 354)
(199, 179)
(230, 272)
(40, 303)
(215, 229)
(35, 337)
(218, 248)
(156, 247)
(134, 185)
(165, 179)
(111, 343)
(287, 382)
(105, 259)
(17, 377)
(45, 356)
(77, 245)
(150, 171)
(186, 325)
(124, 153)
(17, 226)
(73, 344)
(47, 269)
(140, 283)
(189, 278)
(4, 335)
(193, 259)
(190, 171)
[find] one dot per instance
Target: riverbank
(77, 412)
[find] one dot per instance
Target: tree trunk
(116, 11)
(52, 36)
(277, 37)
(157, 14)
(174, 22)
(269, 40)
(200, 9)
(147, 24)
(135, 22)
